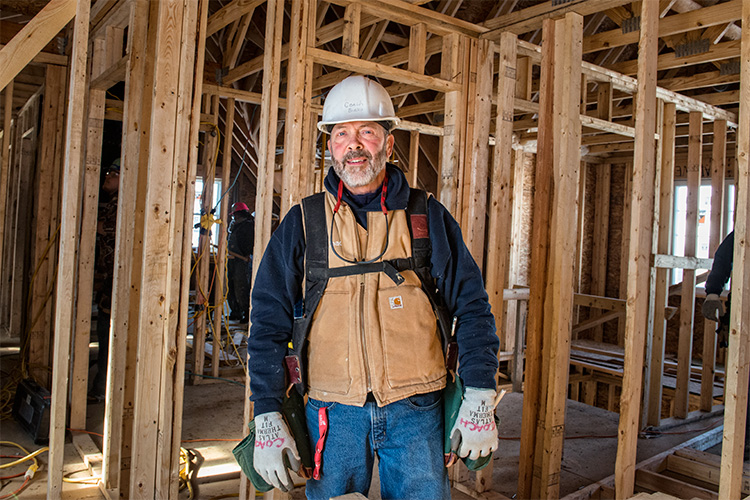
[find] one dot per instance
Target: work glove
(713, 308)
(275, 451)
(474, 434)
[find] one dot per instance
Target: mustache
(353, 155)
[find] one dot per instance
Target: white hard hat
(355, 99)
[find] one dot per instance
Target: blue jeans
(406, 436)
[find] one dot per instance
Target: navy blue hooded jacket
(279, 283)
(721, 270)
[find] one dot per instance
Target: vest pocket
(328, 351)
(411, 346)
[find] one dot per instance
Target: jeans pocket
(317, 404)
(427, 401)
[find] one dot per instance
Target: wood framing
(639, 250)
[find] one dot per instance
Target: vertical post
(221, 251)
(664, 246)
(5, 164)
(639, 251)
(738, 353)
(533, 386)
(566, 137)
(718, 171)
(498, 235)
(687, 302)
(87, 245)
(479, 109)
(66, 274)
(414, 158)
(451, 139)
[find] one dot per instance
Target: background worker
(713, 308)
(240, 261)
(104, 269)
(374, 366)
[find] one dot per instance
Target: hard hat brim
(393, 120)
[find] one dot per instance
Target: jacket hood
(397, 196)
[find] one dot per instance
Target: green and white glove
(713, 307)
(275, 451)
(474, 434)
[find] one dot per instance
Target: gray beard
(375, 165)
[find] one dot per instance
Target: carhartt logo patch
(396, 302)
(419, 228)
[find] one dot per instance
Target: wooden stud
(566, 136)
(350, 42)
(417, 48)
(451, 139)
(298, 141)
(154, 462)
(528, 486)
(718, 172)
(498, 235)
(221, 251)
(86, 264)
(478, 106)
(687, 303)
(639, 252)
(739, 345)
(74, 149)
(664, 245)
(119, 409)
(5, 164)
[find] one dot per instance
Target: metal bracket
(730, 68)
(631, 24)
(692, 48)
(220, 74)
(555, 3)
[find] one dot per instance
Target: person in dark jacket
(374, 366)
(714, 309)
(240, 261)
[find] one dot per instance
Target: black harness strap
(318, 271)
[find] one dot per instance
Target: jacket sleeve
(460, 282)
(722, 267)
(278, 286)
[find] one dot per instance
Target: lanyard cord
(340, 193)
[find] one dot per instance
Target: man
(104, 273)
(714, 310)
(374, 366)
(240, 250)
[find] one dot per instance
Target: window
(197, 210)
(704, 222)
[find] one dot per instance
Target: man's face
(111, 181)
(359, 151)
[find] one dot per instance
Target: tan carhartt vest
(368, 334)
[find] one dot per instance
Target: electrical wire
(30, 471)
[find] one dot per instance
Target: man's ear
(389, 144)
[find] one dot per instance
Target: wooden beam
(66, 274)
(687, 302)
(639, 251)
(380, 70)
(5, 164)
(738, 355)
(230, 13)
(531, 18)
(718, 172)
(663, 245)
(32, 38)
(718, 52)
(498, 235)
(670, 25)
(566, 136)
(681, 262)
